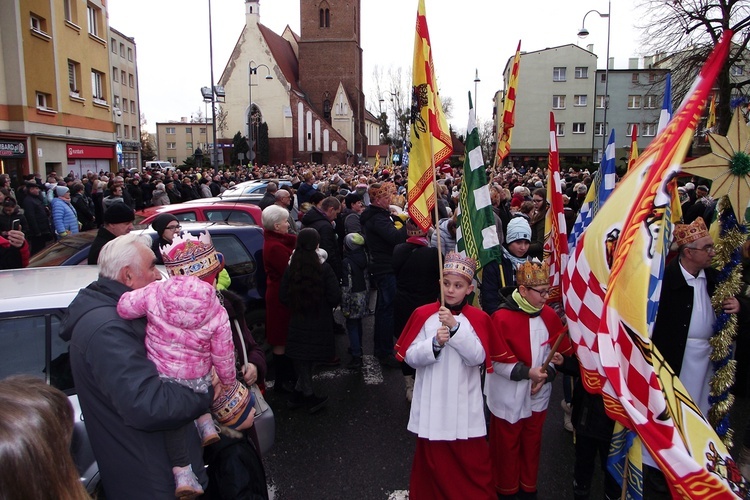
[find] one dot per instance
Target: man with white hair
(128, 407)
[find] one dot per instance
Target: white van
(159, 166)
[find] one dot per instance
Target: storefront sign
(12, 149)
(85, 151)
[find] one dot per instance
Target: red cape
(511, 335)
(479, 320)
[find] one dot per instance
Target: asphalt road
(358, 446)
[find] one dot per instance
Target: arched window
(328, 18)
(325, 15)
(322, 18)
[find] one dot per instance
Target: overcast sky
(173, 57)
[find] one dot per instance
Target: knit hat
(191, 256)
(61, 190)
(516, 201)
(161, 222)
(354, 240)
(689, 186)
(518, 229)
(685, 234)
(459, 265)
(351, 199)
(117, 213)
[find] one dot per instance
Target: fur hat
(458, 265)
(518, 229)
(191, 256)
(533, 273)
(685, 234)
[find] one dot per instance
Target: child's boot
(207, 429)
(186, 484)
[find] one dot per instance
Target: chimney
(611, 63)
(590, 47)
(183, 119)
(633, 63)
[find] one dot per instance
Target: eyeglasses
(542, 293)
(707, 249)
(173, 228)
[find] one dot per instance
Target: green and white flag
(476, 234)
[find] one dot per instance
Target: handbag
(261, 405)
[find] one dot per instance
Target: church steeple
(252, 11)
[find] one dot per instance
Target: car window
(23, 348)
(256, 189)
(237, 260)
(230, 215)
(186, 216)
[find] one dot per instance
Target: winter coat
(128, 407)
(277, 249)
(85, 209)
(188, 329)
(36, 216)
(6, 222)
(317, 220)
(381, 236)
(64, 216)
(310, 336)
(159, 197)
(205, 191)
(417, 279)
(102, 238)
(447, 240)
(355, 290)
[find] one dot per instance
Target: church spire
(252, 11)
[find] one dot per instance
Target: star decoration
(728, 164)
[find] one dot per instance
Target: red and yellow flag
(633, 147)
(505, 127)
(430, 137)
(555, 228)
(711, 120)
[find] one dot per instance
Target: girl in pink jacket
(187, 335)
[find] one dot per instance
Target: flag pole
(437, 216)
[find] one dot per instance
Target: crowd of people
(335, 235)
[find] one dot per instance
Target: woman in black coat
(310, 289)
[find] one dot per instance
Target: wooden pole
(560, 336)
(437, 217)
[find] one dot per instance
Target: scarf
(516, 261)
(524, 304)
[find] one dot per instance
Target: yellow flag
(430, 137)
(377, 162)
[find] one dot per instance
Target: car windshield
(67, 247)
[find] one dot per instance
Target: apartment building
(55, 88)
(177, 141)
(125, 103)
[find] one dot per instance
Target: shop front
(14, 159)
(84, 158)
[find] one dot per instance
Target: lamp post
(583, 33)
(214, 158)
(252, 70)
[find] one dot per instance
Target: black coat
(317, 220)
(310, 336)
(102, 238)
(36, 216)
(381, 237)
(417, 281)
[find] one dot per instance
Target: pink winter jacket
(188, 329)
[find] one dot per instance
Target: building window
(116, 102)
(736, 70)
(97, 85)
(132, 107)
(189, 130)
(634, 102)
(188, 145)
(130, 54)
(558, 102)
(581, 100)
(560, 129)
(170, 130)
(651, 77)
(123, 75)
(113, 44)
(131, 80)
(630, 129)
(649, 129)
(127, 135)
(171, 145)
(125, 105)
(114, 74)
(600, 102)
(203, 130)
(579, 127)
(649, 102)
(74, 76)
(69, 8)
(558, 74)
(118, 129)
(325, 18)
(133, 133)
(603, 77)
(94, 17)
(582, 72)
(172, 159)
(38, 24)
(634, 77)
(43, 100)
(599, 129)
(122, 50)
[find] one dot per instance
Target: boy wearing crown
(517, 392)
(448, 345)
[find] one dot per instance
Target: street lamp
(253, 70)
(583, 33)
(214, 159)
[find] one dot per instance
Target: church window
(325, 15)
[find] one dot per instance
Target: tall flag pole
(612, 286)
(633, 147)
(555, 229)
(429, 134)
(505, 127)
(666, 106)
(476, 234)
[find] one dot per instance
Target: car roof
(215, 203)
(43, 287)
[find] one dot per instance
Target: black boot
(296, 400)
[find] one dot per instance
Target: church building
(307, 88)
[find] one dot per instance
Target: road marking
(399, 495)
(371, 370)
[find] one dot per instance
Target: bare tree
(486, 129)
(221, 121)
(148, 149)
(198, 117)
(683, 32)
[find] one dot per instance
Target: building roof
(371, 117)
(283, 54)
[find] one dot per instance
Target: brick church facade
(307, 88)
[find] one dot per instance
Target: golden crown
(533, 273)
(460, 265)
(191, 256)
(685, 234)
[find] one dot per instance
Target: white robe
(447, 404)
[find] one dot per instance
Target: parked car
(251, 191)
(32, 306)
(205, 209)
(241, 244)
